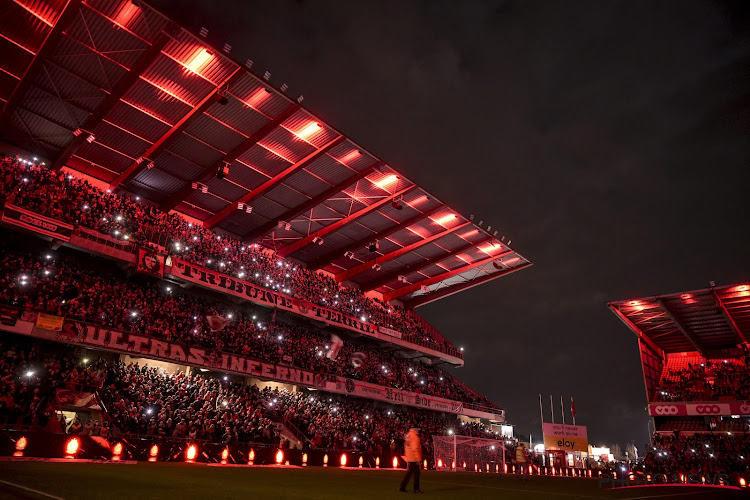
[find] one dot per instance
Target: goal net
(468, 453)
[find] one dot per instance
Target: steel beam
(208, 172)
(387, 277)
(137, 166)
(295, 212)
(322, 232)
(365, 266)
(119, 90)
(681, 328)
(330, 256)
(277, 179)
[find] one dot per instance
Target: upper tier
(162, 114)
(32, 191)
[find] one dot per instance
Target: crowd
(62, 197)
(149, 401)
(698, 454)
(707, 380)
(63, 284)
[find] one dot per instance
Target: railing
(430, 330)
(295, 430)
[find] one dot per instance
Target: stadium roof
(707, 321)
(118, 91)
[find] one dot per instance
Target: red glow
(279, 457)
(418, 201)
(488, 466)
(491, 248)
(743, 288)
(425, 464)
(117, 449)
(325, 460)
(361, 461)
(377, 462)
(258, 98)
(127, 12)
(251, 455)
(743, 483)
(350, 156)
(343, 460)
(386, 181)
(505, 468)
(21, 443)
(468, 234)
(686, 296)
(199, 60)
(71, 448)
(309, 130)
(476, 469)
(304, 459)
(634, 303)
(154, 451)
(445, 219)
(395, 462)
(191, 453)
(440, 462)
(224, 455)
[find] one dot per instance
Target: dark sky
(608, 140)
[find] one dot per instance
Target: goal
(468, 453)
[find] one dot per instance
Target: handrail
(295, 430)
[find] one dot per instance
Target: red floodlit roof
(706, 321)
(116, 90)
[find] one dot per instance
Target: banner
(37, 223)
(77, 399)
(49, 322)
(134, 344)
(149, 262)
(390, 332)
(565, 437)
(699, 409)
(9, 315)
(262, 296)
(390, 395)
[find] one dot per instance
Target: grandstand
(694, 355)
(165, 206)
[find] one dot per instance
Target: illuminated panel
(445, 219)
(199, 60)
(309, 130)
(259, 97)
(386, 181)
(128, 11)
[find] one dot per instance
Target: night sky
(608, 140)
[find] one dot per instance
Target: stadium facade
(182, 153)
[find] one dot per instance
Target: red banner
(699, 409)
(150, 263)
(37, 223)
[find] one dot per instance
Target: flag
(336, 345)
(272, 324)
(49, 322)
(358, 358)
(572, 407)
(217, 323)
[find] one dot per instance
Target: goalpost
(468, 453)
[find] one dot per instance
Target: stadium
(208, 290)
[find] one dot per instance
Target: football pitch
(39, 480)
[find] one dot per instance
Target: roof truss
(295, 212)
(230, 157)
(681, 328)
(413, 287)
(277, 179)
(359, 269)
(388, 277)
(139, 164)
(119, 90)
(335, 226)
(356, 245)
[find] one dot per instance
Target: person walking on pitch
(413, 456)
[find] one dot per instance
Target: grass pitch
(195, 481)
